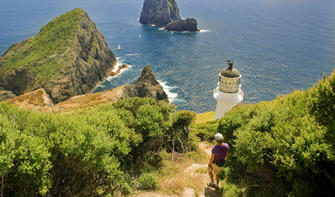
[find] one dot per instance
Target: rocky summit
(146, 86)
(68, 57)
(190, 24)
(159, 12)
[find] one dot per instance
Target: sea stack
(159, 12)
(190, 24)
(68, 57)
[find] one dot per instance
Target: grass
(173, 176)
(35, 98)
(43, 54)
(204, 117)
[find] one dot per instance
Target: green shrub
(284, 147)
(150, 120)
(83, 153)
(177, 138)
(148, 181)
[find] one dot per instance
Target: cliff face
(159, 12)
(68, 57)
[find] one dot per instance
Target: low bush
(148, 181)
(87, 152)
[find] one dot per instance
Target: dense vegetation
(285, 147)
(43, 54)
(90, 152)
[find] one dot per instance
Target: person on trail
(218, 158)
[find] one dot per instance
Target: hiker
(218, 159)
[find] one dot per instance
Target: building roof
(230, 72)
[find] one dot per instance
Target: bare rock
(159, 12)
(5, 94)
(190, 24)
(146, 86)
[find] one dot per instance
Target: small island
(165, 13)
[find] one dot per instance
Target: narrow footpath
(195, 170)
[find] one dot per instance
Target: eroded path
(193, 172)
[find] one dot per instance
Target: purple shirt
(220, 152)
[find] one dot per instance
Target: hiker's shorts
(215, 169)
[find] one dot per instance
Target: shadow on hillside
(210, 192)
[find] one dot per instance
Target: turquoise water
(278, 45)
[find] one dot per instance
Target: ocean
(277, 45)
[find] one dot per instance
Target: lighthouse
(228, 93)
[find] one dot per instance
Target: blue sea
(277, 45)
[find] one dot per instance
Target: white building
(228, 93)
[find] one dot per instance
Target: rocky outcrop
(68, 57)
(5, 94)
(190, 24)
(37, 100)
(146, 86)
(159, 12)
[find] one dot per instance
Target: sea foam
(167, 89)
(204, 30)
(119, 63)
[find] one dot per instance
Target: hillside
(89, 152)
(145, 86)
(283, 147)
(68, 57)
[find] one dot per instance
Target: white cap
(219, 137)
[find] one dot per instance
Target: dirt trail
(192, 172)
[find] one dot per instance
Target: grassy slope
(43, 54)
(204, 117)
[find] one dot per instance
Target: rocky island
(189, 24)
(68, 57)
(165, 13)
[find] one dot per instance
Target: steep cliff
(68, 57)
(159, 12)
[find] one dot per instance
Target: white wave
(119, 63)
(152, 25)
(167, 89)
(161, 28)
(204, 30)
(132, 54)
